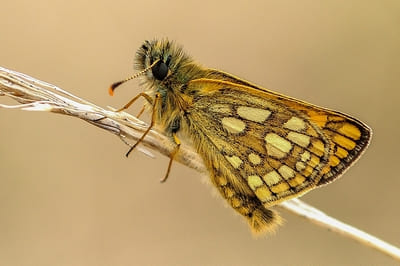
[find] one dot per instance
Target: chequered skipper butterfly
(260, 147)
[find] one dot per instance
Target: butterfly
(260, 147)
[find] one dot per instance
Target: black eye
(160, 70)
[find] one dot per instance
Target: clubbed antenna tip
(114, 86)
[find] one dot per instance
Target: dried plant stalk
(36, 95)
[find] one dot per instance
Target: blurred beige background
(68, 196)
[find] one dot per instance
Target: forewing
(275, 146)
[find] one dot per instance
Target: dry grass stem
(36, 95)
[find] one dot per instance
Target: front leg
(153, 116)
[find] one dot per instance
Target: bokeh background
(68, 196)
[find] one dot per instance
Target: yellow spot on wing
(350, 130)
(305, 156)
(286, 172)
(272, 178)
(282, 187)
(333, 160)
(254, 181)
(233, 125)
(344, 142)
(311, 132)
(314, 161)
(277, 146)
(341, 153)
(300, 139)
(308, 171)
(234, 161)
(320, 120)
(263, 193)
(297, 180)
(336, 118)
(300, 166)
(318, 147)
(253, 114)
(274, 152)
(295, 124)
(254, 158)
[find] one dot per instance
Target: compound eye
(160, 70)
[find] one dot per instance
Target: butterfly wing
(266, 146)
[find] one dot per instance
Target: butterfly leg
(142, 94)
(141, 111)
(155, 104)
(171, 158)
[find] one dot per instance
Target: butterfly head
(164, 61)
(158, 58)
(162, 64)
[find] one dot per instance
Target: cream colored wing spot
(234, 161)
(254, 181)
(277, 146)
(305, 156)
(233, 125)
(272, 178)
(300, 166)
(295, 124)
(254, 158)
(253, 114)
(300, 139)
(286, 172)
